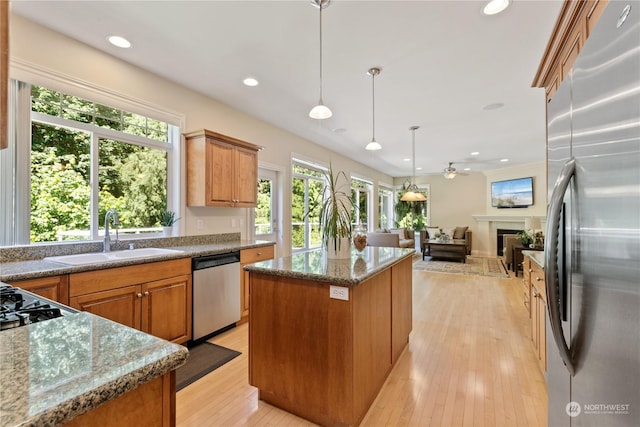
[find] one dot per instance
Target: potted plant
(167, 219)
(335, 217)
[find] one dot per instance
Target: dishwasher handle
(210, 261)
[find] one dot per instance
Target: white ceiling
(441, 61)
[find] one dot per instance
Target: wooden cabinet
(153, 297)
(526, 284)
(573, 27)
(538, 313)
(221, 170)
(249, 256)
(55, 288)
(149, 405)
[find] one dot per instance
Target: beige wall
(41, 56)
(44, 57)
(466, 201)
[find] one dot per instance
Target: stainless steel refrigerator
(592, 244)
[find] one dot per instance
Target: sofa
(457, 233)
(393, 237)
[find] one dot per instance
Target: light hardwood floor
(469, 362)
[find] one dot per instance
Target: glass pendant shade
(413, 194)
(320, 112)
(450, 175)
(373, 145)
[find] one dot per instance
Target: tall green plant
(335, 211)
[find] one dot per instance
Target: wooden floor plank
(469, 362)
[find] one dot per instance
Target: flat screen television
(512, 193)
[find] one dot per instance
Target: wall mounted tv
(512, 193)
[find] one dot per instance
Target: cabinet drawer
(112, 278)
(537, 280)
(248, 256)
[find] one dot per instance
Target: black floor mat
(203, 358)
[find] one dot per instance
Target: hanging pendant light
(320, 111)
(413, 194)
(373, 145)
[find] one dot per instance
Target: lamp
(320, 111)
(532, 223)
(413, 194)
(373, 145)
(450, 172)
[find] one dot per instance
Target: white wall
(38, 55)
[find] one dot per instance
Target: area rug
(203, 359)
(478, 266)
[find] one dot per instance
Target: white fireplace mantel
(506, 218)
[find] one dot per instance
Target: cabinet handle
(146, 293)
(139, 295)
(530, 270)
(259, 253)
(538, 279)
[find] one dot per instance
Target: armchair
(508, 241)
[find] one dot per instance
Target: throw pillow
(431, 232)
(449, 232)
(401, 232)
(458, 233)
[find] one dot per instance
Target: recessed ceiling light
(495, 7)
(418, 168)
(119, 41)
(504, 160)
(250, 81)
(475, 153)
(406, 160)
(493, 106)
(467, 169)
(339, 130)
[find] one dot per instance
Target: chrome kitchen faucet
(116, 223)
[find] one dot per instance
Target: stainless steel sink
(100, 257)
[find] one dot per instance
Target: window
(360, 201)
(385, 205)
(87, 158)
(411, 215)
(264, 208)
(306, 198)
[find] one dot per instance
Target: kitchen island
(82, 369)
(325, 334)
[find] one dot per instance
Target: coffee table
(451, 249)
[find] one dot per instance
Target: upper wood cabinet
(574, 25)
(221, 170)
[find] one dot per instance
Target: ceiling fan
(450, 172)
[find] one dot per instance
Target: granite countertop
(536, 256)
(36, 268)
(54, 371)
(314, 265)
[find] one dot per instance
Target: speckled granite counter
(314, 265)
(21, 268)
(54, 371)
(536, 256)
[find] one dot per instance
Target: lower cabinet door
(166, 308)
(121, 305)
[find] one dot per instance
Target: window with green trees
(411, 215)
(360, 193)
(306, 198)
(87, 158)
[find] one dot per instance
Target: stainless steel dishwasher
(216, 293)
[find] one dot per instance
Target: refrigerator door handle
(551, 261)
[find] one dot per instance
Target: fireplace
(501, 232)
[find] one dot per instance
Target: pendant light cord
(320, 7)
(373, 104)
